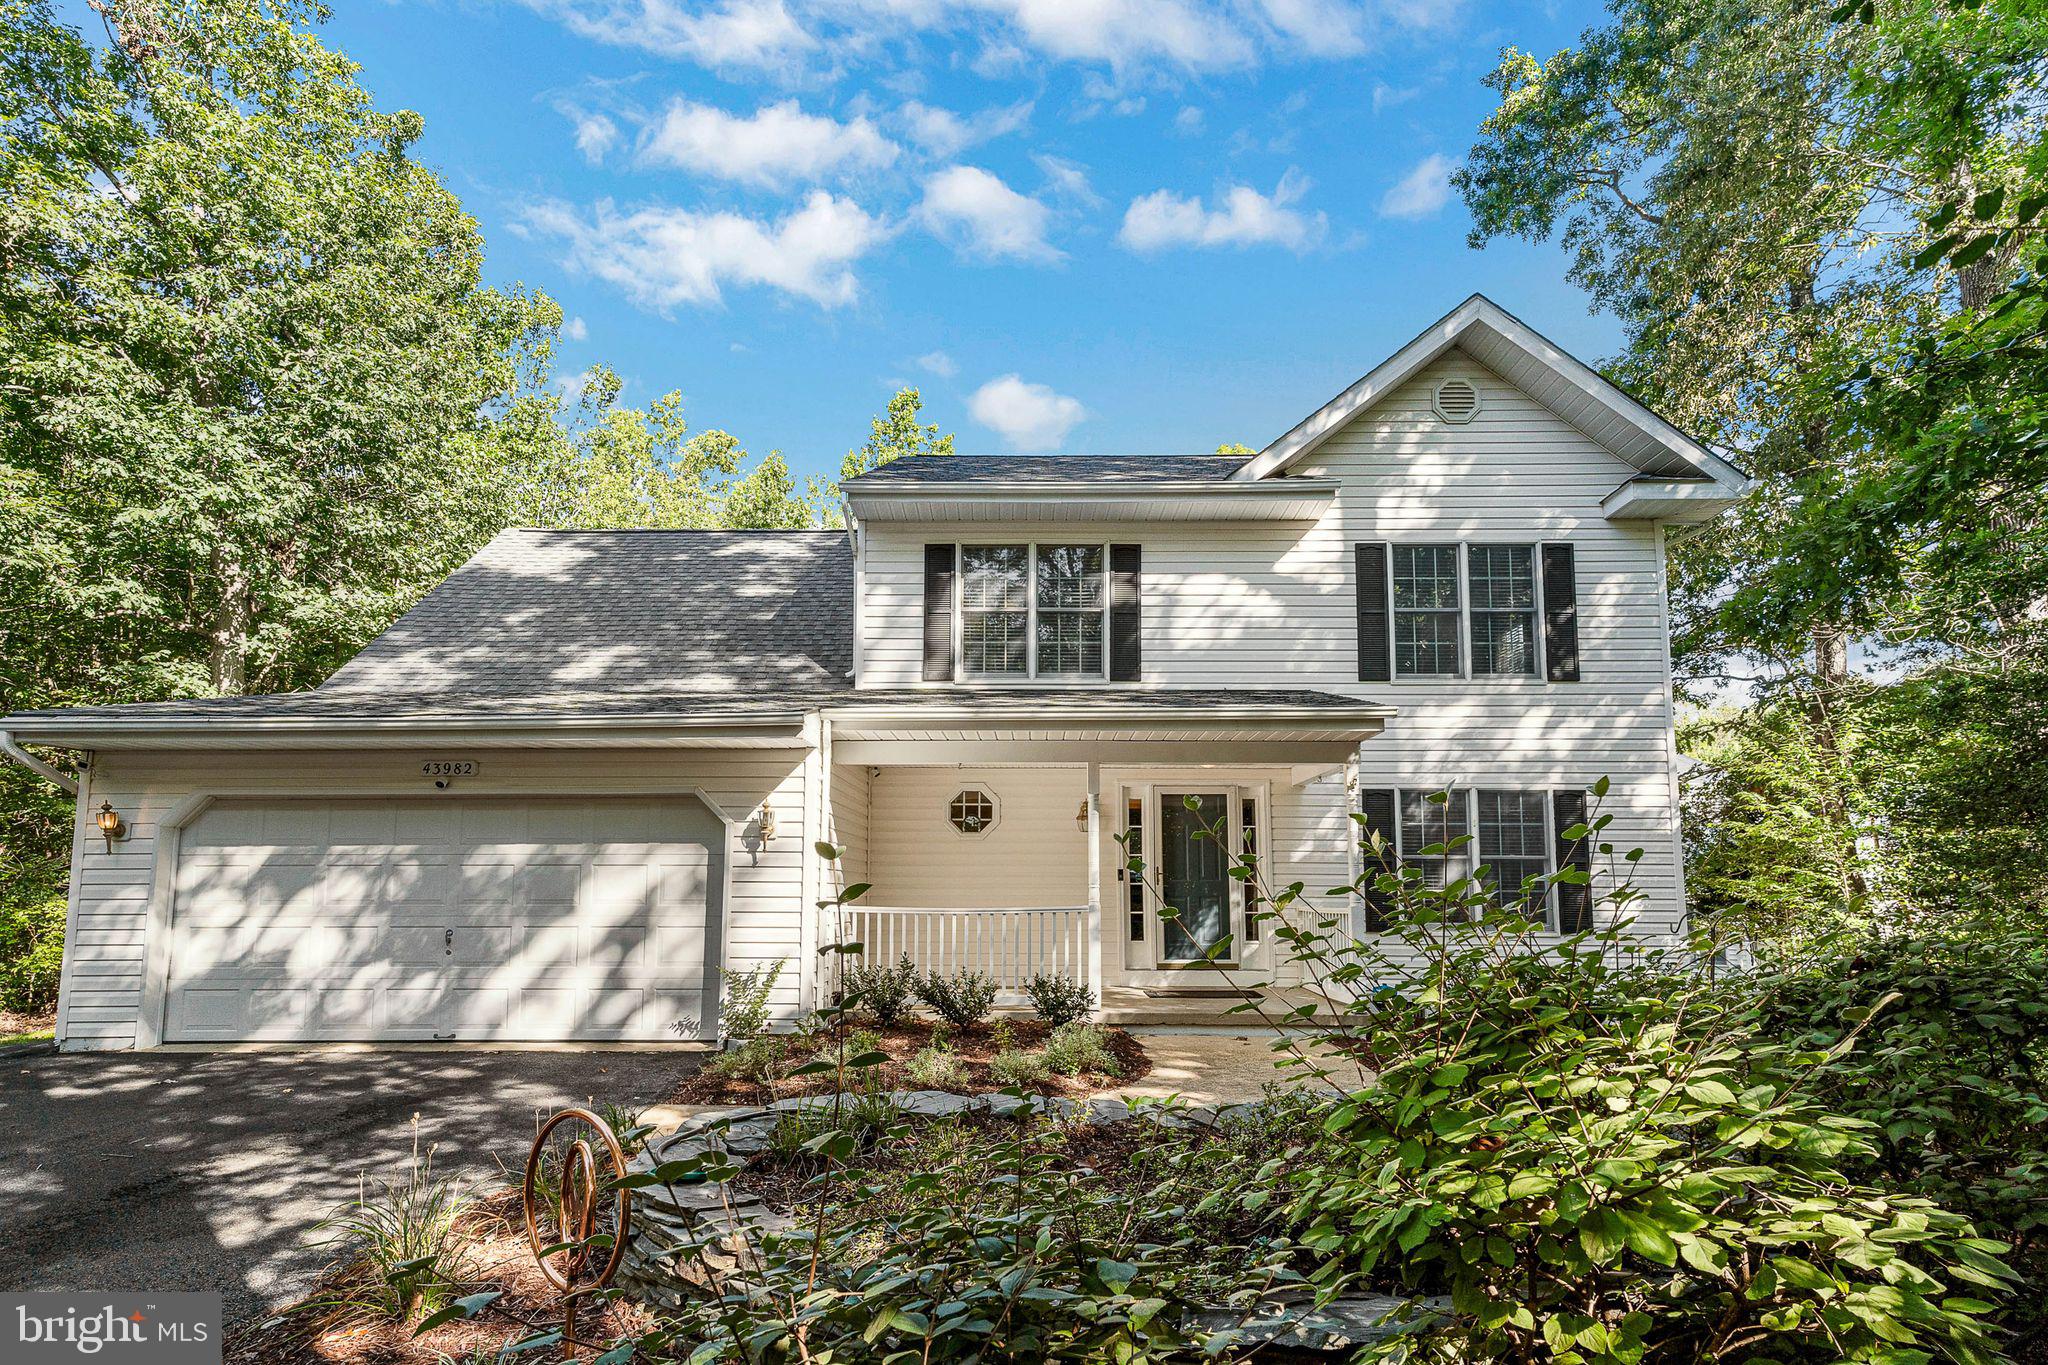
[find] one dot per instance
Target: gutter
(1040, 488)
(381, 731)
(34, 764)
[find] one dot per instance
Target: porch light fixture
(766, 823)
(112, 826)
(1081, 816)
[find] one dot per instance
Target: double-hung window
(1426, 610)
(1503, 579)
(1033, 611)
(1511, 840)
(1450, 599)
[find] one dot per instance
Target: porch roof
(1309, 732)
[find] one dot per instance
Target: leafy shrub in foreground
(962, 999)
(884, 992)
(1014, 1066)
(1600, 1157)
(407, 1237)
(937, 1068)
(749, 996)
(1075, 1048)
(1060, 999)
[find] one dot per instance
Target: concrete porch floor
(1129, 1007)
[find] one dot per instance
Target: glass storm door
(1194, 875)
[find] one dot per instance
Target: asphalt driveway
(139, 1171)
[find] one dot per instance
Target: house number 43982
(449, 767)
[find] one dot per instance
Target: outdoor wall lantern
(1081, 816)
(765, 822)
(112, 826)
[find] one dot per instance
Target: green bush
(749, 997)
(938, 1068)
(962, 999)
(1075, 1048)
(759, 1060)
(407, 1239)
(1949, 1072)
(884, 992)
(31, 936)
(1014, 1066)
(1599, 1155)
(1059, 999)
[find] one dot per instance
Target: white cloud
(575, 330)
(981, 216)
(944, 133)
(1027, 416)
(1423, 191)
(778, 145)
(1385, 96)
(938, 363)
(1245, 217)
(595, 133)
(1321, 28)
(1067, 179)
(757, 34)
(661, 257)
(1188, 121)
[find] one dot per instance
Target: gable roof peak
(1524, 357)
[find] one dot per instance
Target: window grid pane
(1514, 840)
(993, 642)
(1425, 822)
(1248, 822)
(1070, 578)
(993, 577)
(1069, 642)
(1503, 579)
(995, 621)
(1426, 611)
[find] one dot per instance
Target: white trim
(379, 732)
(161, 914)
(1685, 500)
(67, 966)
(1479, 311)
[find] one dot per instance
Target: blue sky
(1079, 225)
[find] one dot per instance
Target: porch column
(1095, 878)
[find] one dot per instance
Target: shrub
(1075, 1048)
(31, 935)
(938, 1068)
(748, 997)
(1060, 999)
(1014, 1066)
(1597, 1154)
(884, 993)
(759, 1060)
(407, 1237)
(854, 1043)
(962, 999)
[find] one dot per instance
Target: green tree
(895, 434)
(257, 398)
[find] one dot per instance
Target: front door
(1194, 878)
(1186, 854)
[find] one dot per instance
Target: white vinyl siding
(1262, 605)
(111, 892)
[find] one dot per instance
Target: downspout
(34, 764)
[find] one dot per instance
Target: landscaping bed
(27, 1028)
(336, 1322)
(763, 1069)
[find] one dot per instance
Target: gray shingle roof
(1061, 469)
(540, 614)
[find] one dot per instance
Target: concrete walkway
(1215, 1067)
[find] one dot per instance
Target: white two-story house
(593, 768)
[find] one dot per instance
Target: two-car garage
(446, 919)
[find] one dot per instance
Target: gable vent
(1457, 400)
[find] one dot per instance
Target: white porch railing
(1010, 945)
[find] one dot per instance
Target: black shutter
(1574, 903)
(1560, 615)
(1126, 613)
(1378, 806)
(938, 613)
(1375, 630)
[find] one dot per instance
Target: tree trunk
(228, 650)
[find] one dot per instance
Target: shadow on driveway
(163, 1171)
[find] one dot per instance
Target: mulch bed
(12, 1023)
(974, 1046)
(499, 1259)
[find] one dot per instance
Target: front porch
(1002, 847)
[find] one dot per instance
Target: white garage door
(447, 919)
